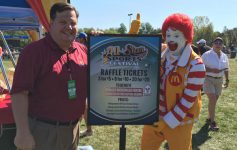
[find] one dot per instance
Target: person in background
(181, 79)
(50, 86)
(233, 51)
(82, 38)
(88, 131)
(202, 47)
(195, 49)
(0, 50)
(217, 66)
(224, 49)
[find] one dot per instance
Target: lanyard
(71, 84)
(68, 64)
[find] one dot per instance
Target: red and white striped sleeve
(195, 80)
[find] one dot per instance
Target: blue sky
(104, 14)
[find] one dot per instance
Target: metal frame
(1, 62)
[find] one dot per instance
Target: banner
(123, 79)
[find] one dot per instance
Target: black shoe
(213, 126)
(85, 133)
(208, 121)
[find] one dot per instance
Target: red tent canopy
(42, 8)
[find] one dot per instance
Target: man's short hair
(60, 7)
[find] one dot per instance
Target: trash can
(233, 54)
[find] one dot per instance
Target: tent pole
(40, 31)
(8, 49)
(4, 74)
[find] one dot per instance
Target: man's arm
(226, 72)
(24, 138)
(213, 70)
(226, 79)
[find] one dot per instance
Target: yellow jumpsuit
(180, 137)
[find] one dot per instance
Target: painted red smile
(172, 46)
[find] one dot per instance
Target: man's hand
(135, 25)
(24, 141)
(226, 84)
(160, 125)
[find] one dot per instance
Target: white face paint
(176, 41)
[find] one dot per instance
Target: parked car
(233, 52)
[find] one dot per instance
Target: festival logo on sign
(130, 55)
(175, 79)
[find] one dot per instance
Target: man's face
(82, 40)
(218, 45)
(64, 27)
(201, 44)
(175, 40)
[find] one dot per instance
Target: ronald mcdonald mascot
(181, 79)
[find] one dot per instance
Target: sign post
(122, 138)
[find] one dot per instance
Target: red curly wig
(180, 22)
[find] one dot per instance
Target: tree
(203, 29)
(19, 42)
(111, 31)
(200, 22)
(146, 28)
(86, 30)
(122, 29)
(230, 36)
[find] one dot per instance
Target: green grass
(107, 137)
(7, 63)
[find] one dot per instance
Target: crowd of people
(5, 54)
(49, 91)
